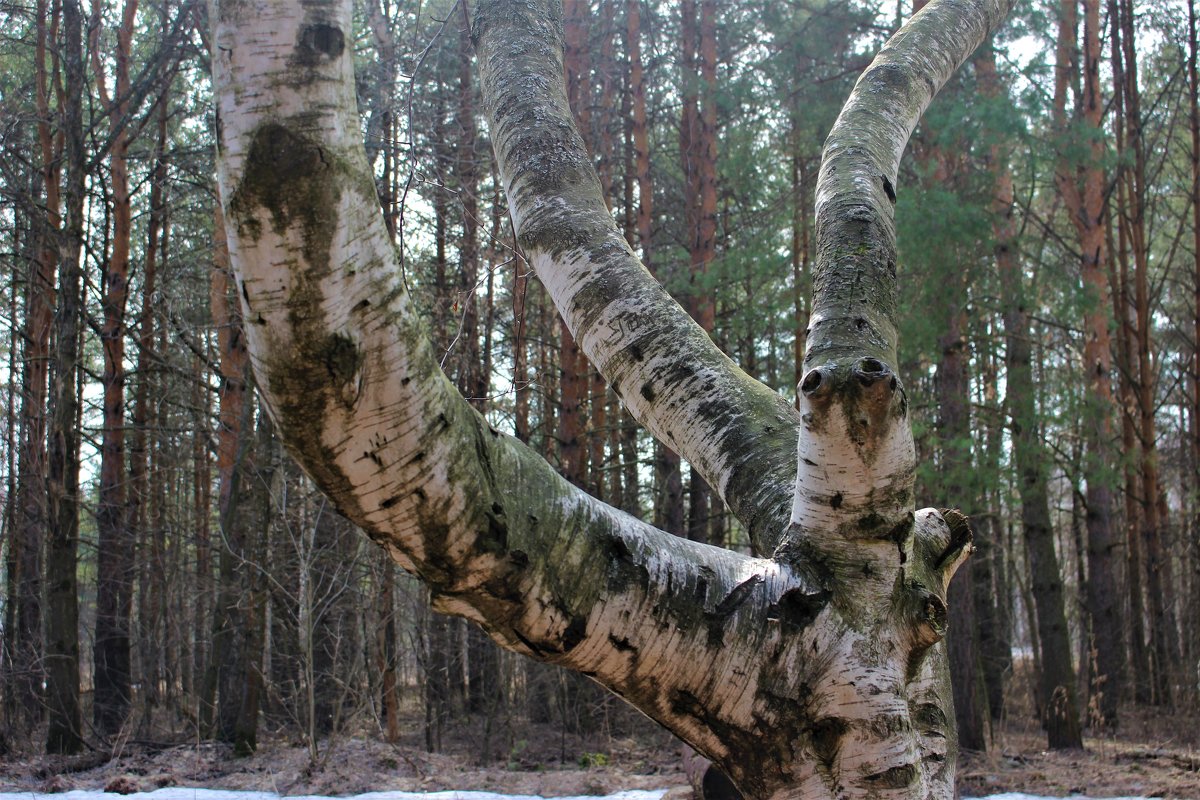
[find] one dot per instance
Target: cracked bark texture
(816, 672)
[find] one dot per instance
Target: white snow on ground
(178, 793)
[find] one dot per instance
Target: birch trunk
(813, 673)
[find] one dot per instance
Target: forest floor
(1155, 754)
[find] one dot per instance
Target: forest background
(170, 575)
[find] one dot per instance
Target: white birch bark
(814, 673)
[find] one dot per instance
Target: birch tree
(813, 669)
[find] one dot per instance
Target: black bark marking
(317, 42)
(341, 357)
(900, 532)
(826, 738)
(623, 568)
(574, 634)
(389, 502)
(894, 778)
(621, 644)
(870, 521)
(719, 616)
(717, 786)
(888, 189)
(533, 648)
(836, 500)
(648, 392)
(930, 720)
(737, 597)
(799, 608)
(495, 539)
(618, 550)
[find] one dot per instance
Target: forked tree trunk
(815, 672)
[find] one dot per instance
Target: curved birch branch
(854, 285)
(738, 433)
(856, 464)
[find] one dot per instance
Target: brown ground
(1156, 754)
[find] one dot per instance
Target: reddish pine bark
(23, 640)
(1158, 568)
(114, 589)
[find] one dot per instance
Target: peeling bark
(815, 673)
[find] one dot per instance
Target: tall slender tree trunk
(800, 247)
(1057, 685)
(668, 479)
(202, 502)
(1194, 90)
(386, 649)
(443, 651)
(143, 513)
(65, 731)
(953, 392)
(252, 627)
(221, 694)
(112, 649)
(25, 242)
(23, 635)
(597, 390)
(1162, 630)
(1126, 358)
(1085, 205)
(698, 150)
(572, 364)
(994, 642)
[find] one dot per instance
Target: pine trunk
(65, 731)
